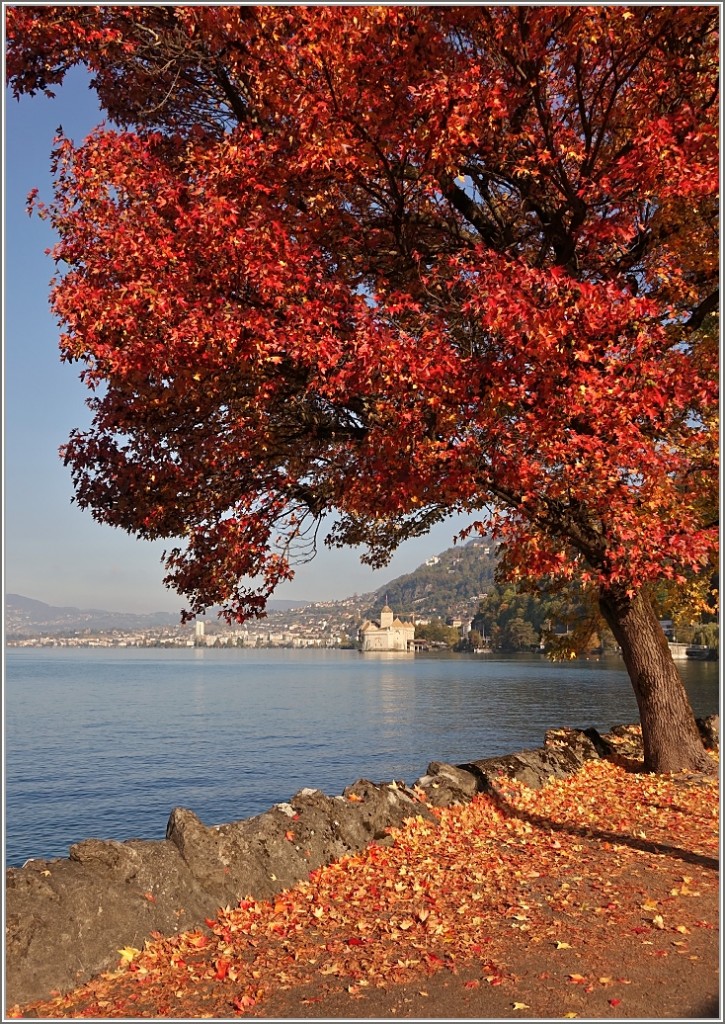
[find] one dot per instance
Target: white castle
(390, 634)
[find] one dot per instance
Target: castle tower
(386, 617)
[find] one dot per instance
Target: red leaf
(222, 968)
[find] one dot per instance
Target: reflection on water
(105, 743)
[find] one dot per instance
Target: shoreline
(109, 894)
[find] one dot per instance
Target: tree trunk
(670, 735)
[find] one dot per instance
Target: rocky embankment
(66, 919)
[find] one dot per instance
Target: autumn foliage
(595, 879)
(366, 267)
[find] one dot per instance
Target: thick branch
(708, 305)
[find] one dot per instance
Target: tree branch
(708, 305)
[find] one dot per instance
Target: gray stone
(625, 741)
(380, 806)
(587, 744)
(446, 785)
(85, 908)
(710, 731)
(532, 767)
(119, 860)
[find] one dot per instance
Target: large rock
(587, 744)
(445, 785)
(625, 741)
(532, 767)
(710, 731)
(66, 919)
(382, 806)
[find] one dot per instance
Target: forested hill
(449, 584)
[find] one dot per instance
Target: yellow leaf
(563, 945)
(649, 905)
(571, 1014)
(128, 953)
(521, 1006)
(682, 929)
(658, 921)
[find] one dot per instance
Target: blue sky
(55, 552)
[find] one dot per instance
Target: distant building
(199, 630)
(390, 634)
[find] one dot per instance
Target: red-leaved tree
(375, 265)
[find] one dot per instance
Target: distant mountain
(25, 616)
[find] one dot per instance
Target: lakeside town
(323, 625)
(299, 627)
(334, 625)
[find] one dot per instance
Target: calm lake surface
(105, 743)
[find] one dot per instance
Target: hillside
(449, 584)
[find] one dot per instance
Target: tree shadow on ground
(616, 838)
(708, 1009)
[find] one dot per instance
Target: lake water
(106, 742)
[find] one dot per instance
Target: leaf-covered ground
(594, 897)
